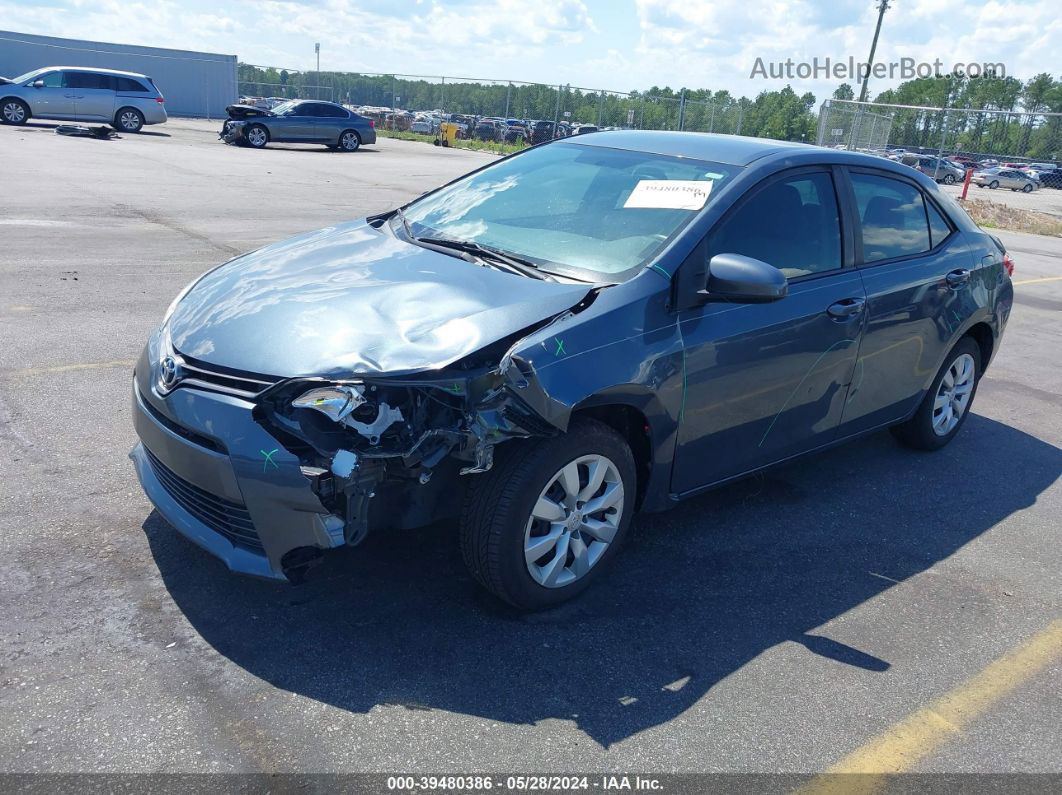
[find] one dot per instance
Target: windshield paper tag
(670, 194)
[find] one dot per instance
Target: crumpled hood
(354, 299)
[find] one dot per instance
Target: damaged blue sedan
(542, 347)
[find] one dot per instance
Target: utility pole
(317, 49)
(883, 6)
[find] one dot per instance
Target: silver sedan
(1005, 178)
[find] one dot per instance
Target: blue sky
(612, 44)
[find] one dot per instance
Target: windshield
(588, 211)
(28, 76)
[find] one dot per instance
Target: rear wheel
(993, 184)
(256, 136)
(949, 179)
(129, 120)
(14, 111)
(947, 403)
(1027, 189)
(349, 141)
(544, 523)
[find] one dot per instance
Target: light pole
(317, 49)
(883, 6)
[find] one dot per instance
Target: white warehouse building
(193, 83)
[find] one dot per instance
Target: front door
(295, 125)
(53, 100)
(768, 381)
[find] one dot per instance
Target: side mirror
(743, 280)
(37, 84)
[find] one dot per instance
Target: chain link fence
(970, 134)
(505, 99)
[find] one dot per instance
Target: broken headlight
(335, 402)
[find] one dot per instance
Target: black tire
(949, 179)
(498, 506)
(349, 141)
(128, 120)
(918, 432)
(14, 111)
(1027, 189)
(259, 142)
(993, 184)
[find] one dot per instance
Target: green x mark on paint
(560, 347)
(269, 458)
(456, 389)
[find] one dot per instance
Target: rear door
(768, 381)
(917, 271)
(329, 121)
(93, 95)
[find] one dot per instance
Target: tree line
(781, 114)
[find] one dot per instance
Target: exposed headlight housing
(335, 402)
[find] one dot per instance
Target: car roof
(734, 150)
(101, 71)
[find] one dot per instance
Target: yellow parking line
(900, 747)
(1035, 281)
(65, 368)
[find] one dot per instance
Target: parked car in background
(517, 132)
(1000, 177)
(583, 129)
(303, 122)
(125, 100)
(542, 131)
(1051, 179)
(425, 125)
(528, 366)
(935, 168)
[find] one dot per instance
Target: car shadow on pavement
(697, 593)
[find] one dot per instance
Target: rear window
(129, 84)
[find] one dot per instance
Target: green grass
(478, 146)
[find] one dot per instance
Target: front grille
(223, 516)
(223, 379)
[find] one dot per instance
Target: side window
(87, 80)
(52, 80)
(792, 224)
(893, 217)
(332, 112)
(128, 84)
(939, 229)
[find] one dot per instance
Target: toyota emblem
(168, 373)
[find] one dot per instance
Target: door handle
(846, 308)
(957, 278)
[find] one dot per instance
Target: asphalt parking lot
(1044, 200)
(784, 623)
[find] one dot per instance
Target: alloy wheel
(953, 394)
(257, 137)
(350, 141)
(14, 112)
(129, 121)
(574, 520)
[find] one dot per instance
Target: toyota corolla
(530, 354)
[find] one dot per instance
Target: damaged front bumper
(267, 482)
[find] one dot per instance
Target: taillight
(1008, 264)
(372, 123)
(160, 99)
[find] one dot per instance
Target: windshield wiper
(405, 223)
(511, 262)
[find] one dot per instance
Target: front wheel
(256, 136)
(1027, 189)
(545, 521)
(949, 179)
(993, 184)
(14, 111)
(946, 405)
